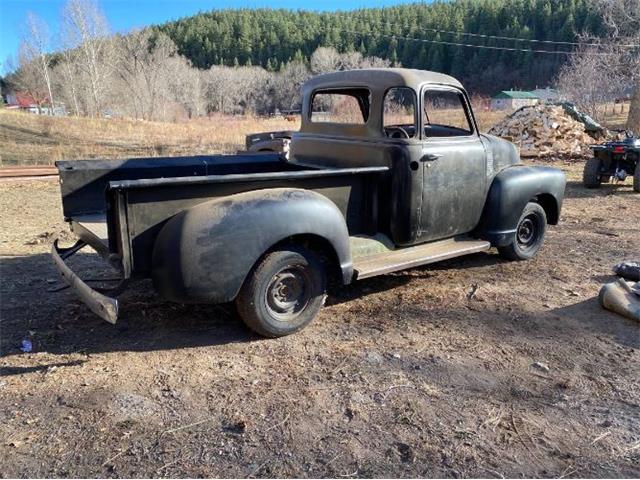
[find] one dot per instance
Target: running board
(403, 258)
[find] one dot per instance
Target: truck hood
(500, 153)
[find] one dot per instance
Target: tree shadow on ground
(575, 189)
(59, 323)
(591, 315)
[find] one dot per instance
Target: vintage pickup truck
(387, 172)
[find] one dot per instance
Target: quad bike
(614, 161)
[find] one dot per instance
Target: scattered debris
(544, 129)
(48, 237)
(238, 427)
(621, 297)
(406, 452)
(126, 406)
(628, 270)
(27, 346)
(374, 358)
(543, 367)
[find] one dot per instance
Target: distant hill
(272, 37)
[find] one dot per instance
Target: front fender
(510, 191)
(203, 254)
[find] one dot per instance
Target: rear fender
(510, 191)
(203, 254)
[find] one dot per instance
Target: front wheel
(529, 234)
(283, 293)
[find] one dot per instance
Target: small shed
(547, 95)
(24, 101)
(512, 100)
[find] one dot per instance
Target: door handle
(431, 157)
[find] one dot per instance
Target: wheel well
(550, 206)
(320, 246)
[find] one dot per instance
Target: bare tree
(34, 50)
(289, 81)
(66, 73)
(351, 60)
(585, 81)
(622, 17)
(328, 59)
(600, 73)
(325, 59)
(85, 30)
(187, 85)
(142, 65)
(220, 89)
(374, 62)
(28, 78)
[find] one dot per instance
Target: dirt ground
(406, 375)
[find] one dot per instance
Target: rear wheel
(283, 292)
(529, 234)
(636, 177)
(591, 174)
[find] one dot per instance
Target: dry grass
(488, 118)
(614, 115)
(32, 139)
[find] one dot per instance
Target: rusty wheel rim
(288, 293)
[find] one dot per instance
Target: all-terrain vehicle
(614, 161)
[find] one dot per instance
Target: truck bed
(83, 183)
(119, 206)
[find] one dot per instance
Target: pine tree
(270, 37)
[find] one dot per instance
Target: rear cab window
(445, 114)
(345, 106)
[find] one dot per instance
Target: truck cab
(387, 172)
(418, 124)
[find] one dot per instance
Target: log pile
(542, 130)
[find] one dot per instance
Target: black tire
(590, 175)
(636, 177)
(529, 234)
(283, 293)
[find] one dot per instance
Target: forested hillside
(272, 37)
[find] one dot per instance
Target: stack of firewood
(543, 130)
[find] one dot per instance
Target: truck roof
(380, 78)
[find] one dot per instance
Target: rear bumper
(102, 305)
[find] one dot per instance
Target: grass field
(31, 139)
(27, 139)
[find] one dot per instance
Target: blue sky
(126, 14)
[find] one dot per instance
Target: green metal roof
(516, 94)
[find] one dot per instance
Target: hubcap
(288, 293)
(527, 232)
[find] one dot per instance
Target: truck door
(453, 164)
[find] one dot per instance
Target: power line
(515, 39)
(469, 45)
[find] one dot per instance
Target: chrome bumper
(102, 305)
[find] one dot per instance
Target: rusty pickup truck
(387, 172)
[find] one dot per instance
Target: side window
(399, 113)
(341, 106)
(445, 114)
